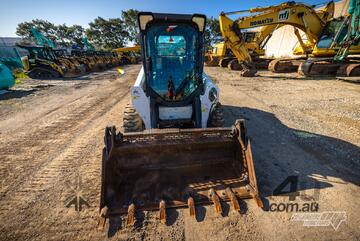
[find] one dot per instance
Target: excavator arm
(269, 18)
(41, 39)
(353, 35)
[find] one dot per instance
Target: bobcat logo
(284, 15)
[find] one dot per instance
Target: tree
(130, 19)
(107, 34)
(70, 35)
(62, 34)
(212, 32)
(48, 29)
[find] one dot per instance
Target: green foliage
(130, 19)
(107, 34)
(61, 34)
(67, 36)
(104, 33)
(49, 29)
(212, 32)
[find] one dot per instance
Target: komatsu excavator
(173, 152)
(298, 15)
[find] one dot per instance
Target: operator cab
(334, 33)
(172, 47)
(173, 54)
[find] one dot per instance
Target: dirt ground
(51, 137)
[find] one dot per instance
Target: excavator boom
(297, 15)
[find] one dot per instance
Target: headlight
(213, 94)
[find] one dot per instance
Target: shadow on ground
(16, 94)
(280, 151)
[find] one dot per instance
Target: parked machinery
(299, 15)
(10, 61)
(341, 37)
(44, 64)
(6, 77)
(221, 55)
(129, 55)
(47, 61)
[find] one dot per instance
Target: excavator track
(173, 168)
(329, 68)
(211, 61)
(284, 65)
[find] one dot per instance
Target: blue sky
(72, 12)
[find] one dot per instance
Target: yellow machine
(129, 55)
(254, 41)
(298, 15)
(343, 36)
(219, 52)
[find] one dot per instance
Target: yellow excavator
(298, 15)
(221, 55)
(254, 41)
(218, 55)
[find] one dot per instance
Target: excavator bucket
(173, 168)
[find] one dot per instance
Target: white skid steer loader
(174, 152)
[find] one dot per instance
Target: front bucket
(162, 168)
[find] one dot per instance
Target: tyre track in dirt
(44, 143)
(26, 150)
(77, 158)
(55, 147)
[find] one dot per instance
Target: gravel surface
(51, 138)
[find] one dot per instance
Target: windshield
(329, 33)
(172, 50)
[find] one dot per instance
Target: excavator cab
(159, 167)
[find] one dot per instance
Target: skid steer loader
(173, 152)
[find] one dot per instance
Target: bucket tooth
(162, 211)
(130, 221)
(102, 218)
(136, 166)
(191, 205)
(215, 199)
(258, 201)
(231, 195)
